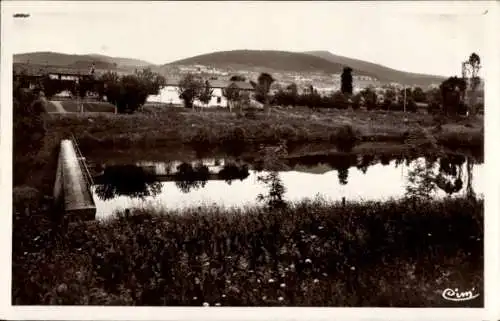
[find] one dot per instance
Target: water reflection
(230, 182)
(127, 180)
(423, 179)
(140, 181)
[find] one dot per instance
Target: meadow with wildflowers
(312, 253)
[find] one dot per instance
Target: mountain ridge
(78, 60)
(373, 67)
(257, 60)
(309, 61)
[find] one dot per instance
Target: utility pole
(404, 101)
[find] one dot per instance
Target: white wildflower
(308, 261)
(205, 304)
(316, 281)
(271, 280)
(282, 285)
(280, 298)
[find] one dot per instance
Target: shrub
(203, 137)
(286, 132)
(344, 137)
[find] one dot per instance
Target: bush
(344, 137)
(286, 132)
(203, 137)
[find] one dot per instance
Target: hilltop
(314, 61)
(383, 73)
(264, 60)
(78, 61)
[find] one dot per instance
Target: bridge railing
(83, 163)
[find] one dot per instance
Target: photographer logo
(457, 296)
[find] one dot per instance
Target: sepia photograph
(247, 154)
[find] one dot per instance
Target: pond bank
(341, 129)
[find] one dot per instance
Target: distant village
(218, 79)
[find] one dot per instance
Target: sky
(432, 38)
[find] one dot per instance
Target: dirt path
(59, 107)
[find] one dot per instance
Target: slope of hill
(265, 60)
(383, 73)
(124, 62)
(78, 61)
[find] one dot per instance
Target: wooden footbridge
(73, 184)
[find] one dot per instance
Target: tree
(346, 79)
(293, 93)
(419, 95)
(369, 98)
(190, 88)
(356, 101)
(50, 87)
(389, 98)
(232, 94)
(109, 86)
(28, 130)
(474, 63)
(339, 100)
(153, 81)
(237, 78)
(451, 93)
(206, 93)
(132, 94)
(264, 83)
(434, 97)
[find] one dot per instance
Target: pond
(230, 182)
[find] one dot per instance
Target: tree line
(129, 92)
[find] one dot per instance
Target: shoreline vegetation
(313, 253)
(342, 129)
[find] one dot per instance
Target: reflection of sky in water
(380, 182)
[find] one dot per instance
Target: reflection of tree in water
(127, 180)
(188, 177)
(342, 163)
(449, 178)
(422, 180)
(366, 161)
(275, 197)
(470, 166)
(271, 159)
(232, 171)
(188, 186)
(385, 160)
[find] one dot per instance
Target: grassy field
(71, 106)
(309, 254)
(341, 128)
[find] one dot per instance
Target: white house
(170, 93)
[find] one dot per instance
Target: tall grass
(218, 128)
(312, 253)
